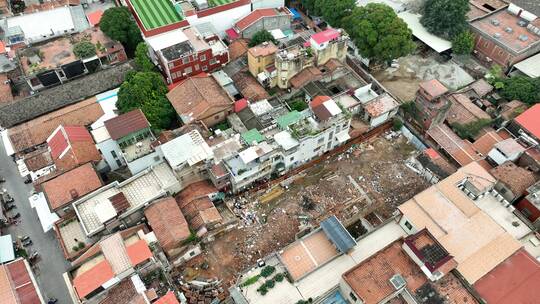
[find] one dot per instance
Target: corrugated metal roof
(335, 231)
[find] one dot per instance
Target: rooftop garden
(156, 13)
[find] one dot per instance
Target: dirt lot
(403, 80)
(377, 169)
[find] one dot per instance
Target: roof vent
(497, 35)
(522, 23)
(398, 281)
(495, 22)
(508, 29)
(523, 37)
(74, 194)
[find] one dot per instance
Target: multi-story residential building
(187, 51)
(127, 140)
(261, 60)
(303, 137)
(261, 19)
(430, 102)
(507, 35)
(321, 47)
(54, 62)
(526, 126)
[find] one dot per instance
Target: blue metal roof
(335, 231)
(295, 13)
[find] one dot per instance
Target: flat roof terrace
(155, 13)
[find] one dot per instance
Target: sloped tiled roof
(168, 298)
(65, 136)
(326, 35)
(198, 97)
(71, 185)
(167, 222)
(433, 87)
(516, 178)
(127, 123)
(16, 285)
(461, 151)
(93, 278)
(138, 252)
(254, 16)
(529, 120)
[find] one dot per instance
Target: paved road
(52, 264)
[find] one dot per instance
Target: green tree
(333, 11)
(147, 91)
(142, 60)
(463, 43)
(260, 37)
(522, 88)
(312, 7)
(118, 24)
(378, 33)
(84, 49)
(445, 18)
(470, 130)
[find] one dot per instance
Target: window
(316, 149)
(292, 158)
(352, 296)
(502, 191)
(191, 253)
(213, 61)
(202, 57)
(408, 225)
(320, 140)
(204, 68)
(113, 153)
(171, 65)
(216, 117)
(526, 212)
(118, 163)
(185, 60)
(196, 67)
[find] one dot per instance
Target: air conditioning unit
(398, 281)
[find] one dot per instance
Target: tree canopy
(260, 37)
(84, 49)
(118, 24)
(463, 43)
(142, 60)
(378, 32)
(521, 88)
(311, 7)
(147, 91)
(445, 18)
(333, 11)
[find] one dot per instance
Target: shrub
(463, 43)
(262, 290)
(279, 277)
(267, 271)
(75, 248)
(250, 281)
(298, 105)
(396, 124)
(81, 245)
(472, 129)
(84, 49)
(270, 283)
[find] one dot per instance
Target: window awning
(232, 34)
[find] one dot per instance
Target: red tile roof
(93, 278)
(232, 34)
(16, 283)
(460, 150)
(71, 185)
(126, 124)
(2, 47)
(486, 142)
(325, 35)
(239, 105)
(168, 298)
(433, 87)
(515, 280)
(138, 252)
(254, 16)
(167, 222)
(64, 136)
(432, 153)
(319, 100)
(94, 17)
(530, 121)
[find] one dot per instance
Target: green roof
(156, 13)
(251, 136)
(288, 119)
(213, 3)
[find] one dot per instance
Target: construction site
(362, 186)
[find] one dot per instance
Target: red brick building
(507, 35)
(187, 51)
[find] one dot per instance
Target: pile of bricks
(203, 292)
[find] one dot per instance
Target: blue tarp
(296, 15)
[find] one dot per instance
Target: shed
(529, 66)
(335, 231)
(421, 33)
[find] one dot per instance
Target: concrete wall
(144, 162)
(267, 4)
(224, 20)
(258, 64)
(281, 22)
(337, 50)
(106, 148)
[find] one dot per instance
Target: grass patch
(250, 281)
